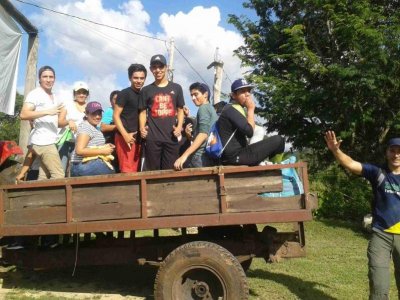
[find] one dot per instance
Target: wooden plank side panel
(34, 197)
(33, 216)
(106, 201)
(253, 182)
(183, 196)
(252, 203)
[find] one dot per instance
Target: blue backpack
(214, 147)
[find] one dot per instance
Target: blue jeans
(65, 151)
(200, 160)
(92, 167)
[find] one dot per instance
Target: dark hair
(202, 87)
(136, 68)
(113, 93)
(46, 68)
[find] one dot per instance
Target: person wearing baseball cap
(75, 112)
(161, 117)
(237, 121)
(384, 244)
(91, 155)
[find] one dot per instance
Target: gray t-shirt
(96, 138)
(206, 117)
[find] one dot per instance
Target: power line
(90, 21)
(198, 74)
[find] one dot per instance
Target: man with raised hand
(384, 244)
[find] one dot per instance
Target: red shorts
(128, 159)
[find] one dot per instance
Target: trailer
(232, 221)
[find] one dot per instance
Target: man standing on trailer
(42, 107)
(161, 117)
(126, 118)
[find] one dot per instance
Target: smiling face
(393, 157)
(81, 95)
(137, 80)
(158, 71)
(94, 118)
(198, 97)
(46, 80)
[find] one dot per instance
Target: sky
(100, 56)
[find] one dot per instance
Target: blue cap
(394, 142)
(240, 84)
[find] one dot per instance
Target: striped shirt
(95, 135)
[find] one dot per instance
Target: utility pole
(171, 50)
(217, 64)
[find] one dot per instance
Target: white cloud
(101, 56)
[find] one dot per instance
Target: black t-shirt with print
(161, 104)
(129, 100)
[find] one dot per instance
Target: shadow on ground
(301, 288)
(134, 281)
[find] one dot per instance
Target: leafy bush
(341, 195)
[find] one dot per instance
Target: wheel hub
(201, 289)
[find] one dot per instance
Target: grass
(335, 268)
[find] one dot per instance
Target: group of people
(146, 127)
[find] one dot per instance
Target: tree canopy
(9, 125)
(326, 65)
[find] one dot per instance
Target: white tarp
(10, 48)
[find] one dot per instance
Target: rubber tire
(206, 257)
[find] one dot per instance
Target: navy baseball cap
(93, 106)
(239, 84)
(158, 58)
(394, 142)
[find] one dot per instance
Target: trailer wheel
(200, 270)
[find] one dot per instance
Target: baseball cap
(93, 106)
(394, 142)
(239, 84)
(80, 85)
(158, 58)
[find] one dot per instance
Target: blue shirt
(386, 204)
(107, 116)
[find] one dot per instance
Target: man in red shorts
(126, 118)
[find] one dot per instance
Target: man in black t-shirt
(161, 117)
(126, 118)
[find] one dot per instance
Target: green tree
(9, 125)
(326, 64)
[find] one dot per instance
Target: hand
(144, 132)
(331, 141)
(72, 125)
(177, 131)
(55, 110)
(189, 129)
(108, 149)
(178, 165)
(130, 138)
(249, 104)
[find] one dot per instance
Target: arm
(28, 111)
(29, 158)
(142, 123)
(198, 141)
(249, 104)
(346, 161)
(81, 147)
(107, 127)
(178, 127)
(128, 136)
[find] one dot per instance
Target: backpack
(214, 147)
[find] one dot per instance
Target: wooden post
(30, 83)
(171, 59)
(217, 64)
